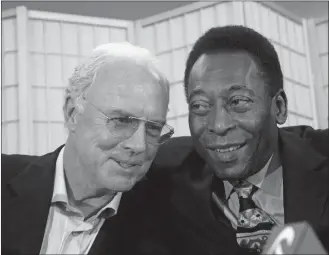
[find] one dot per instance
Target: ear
(71, 111)
(280, 107)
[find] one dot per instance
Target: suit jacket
(27, 187)
(304, 155)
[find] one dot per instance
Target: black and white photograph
(164, 127)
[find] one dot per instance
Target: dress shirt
(269, 196)
(67, 232)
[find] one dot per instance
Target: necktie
(254, 225)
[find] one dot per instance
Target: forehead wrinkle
(232, 68)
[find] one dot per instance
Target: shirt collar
(60, 191)
(267, 181)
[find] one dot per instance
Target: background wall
(321, 65)
(133, 10)
(171, 35)
(40, 50)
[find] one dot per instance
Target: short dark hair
(239, 38)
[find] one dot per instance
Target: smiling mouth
(125, 165)
(228, 149)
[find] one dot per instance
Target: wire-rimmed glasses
(124, 127)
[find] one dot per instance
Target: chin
(122, 184)
(231, 173)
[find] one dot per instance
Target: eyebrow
(236, 87)
(128, 114)
(196, 91)
(240, 87)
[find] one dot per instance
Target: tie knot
(245, 189)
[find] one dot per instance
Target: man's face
(120, 89)
(231, 114)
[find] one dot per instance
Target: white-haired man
(88, 196)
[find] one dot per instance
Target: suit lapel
(34, 188)
(192, 198)
(107, 238)
(305, 185)
(116, 235)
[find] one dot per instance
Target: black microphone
(297, 238)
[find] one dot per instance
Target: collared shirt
(66, 231)
(269, 196)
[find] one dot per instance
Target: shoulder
(172, 153)
(13, 164)
(307, 131)
(316, 138)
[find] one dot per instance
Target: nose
(220, 121)
(137, 142)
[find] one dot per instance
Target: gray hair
(85, 73)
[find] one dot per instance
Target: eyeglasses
(125, 126)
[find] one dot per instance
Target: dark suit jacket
(27, 187)
(304, 154)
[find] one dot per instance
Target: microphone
(297, 238)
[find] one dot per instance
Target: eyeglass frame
(171, 129)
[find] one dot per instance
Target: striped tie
(254, 225)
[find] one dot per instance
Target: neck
(274, 153)
(82, 193)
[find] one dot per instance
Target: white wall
(41, 49)
(56, 43)
(170, 35)
(322, 46)
(9, 87)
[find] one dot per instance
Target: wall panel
(162, 37)
(177, 33)
(56, 43)
(10, 103)
(192, 26)
(207, 18)
(266, 29)
(68, 65)
(252, 13)
(166, 64)
(178, 63)
(40, 134)
(182, 127)
(67, 43)
(102, 35)
(273, 24)
(289, 88)
(37, 69)
(321, 31)
(58, 133)
(86, 42)
(54, 70)
(55, 102)
(118, 34)
(147, 37)
(9, 86)
(9, 34)
(303, 101)
(10, 143)
(324, 69)
(69, 38)
(10, 74)
(178, 98)
(174, 37)
(39, 106)
(52, 36)
(36, 41)
(286, 34)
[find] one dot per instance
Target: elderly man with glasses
(90, 196)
